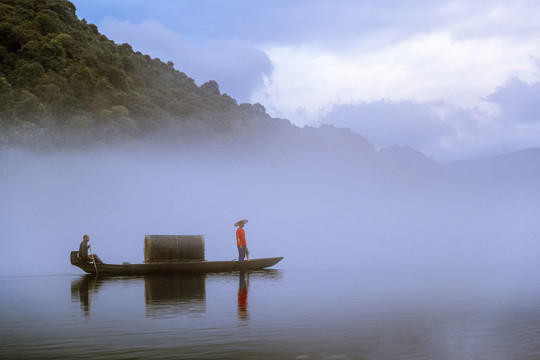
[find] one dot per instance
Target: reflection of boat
(170, 295)
(164, 294)
(174, 267)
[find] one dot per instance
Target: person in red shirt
(241, 240)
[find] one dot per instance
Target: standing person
(241, 240)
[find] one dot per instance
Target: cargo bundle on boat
(172, 254)
(173, 248)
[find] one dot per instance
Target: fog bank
(378, 212)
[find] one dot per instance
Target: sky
(453, 79)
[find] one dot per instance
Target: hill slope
(63, 81)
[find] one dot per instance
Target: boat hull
(175, 267)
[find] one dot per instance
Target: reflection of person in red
(242, 296)
(241, 240)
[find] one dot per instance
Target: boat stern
(83, 265)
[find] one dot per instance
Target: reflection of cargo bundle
(171, 294)
(173, 248)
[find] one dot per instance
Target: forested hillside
(62, 83)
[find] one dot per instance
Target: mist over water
(321, 213)
(388, 255)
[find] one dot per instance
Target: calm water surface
(275, 314)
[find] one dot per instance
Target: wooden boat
(173, 267)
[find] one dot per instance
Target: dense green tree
(28, 107)
(60, 77)
(27, 75)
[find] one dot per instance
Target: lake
(274, 314)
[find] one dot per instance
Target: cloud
(508, 120)
(439, 130)
(430, 67)
(518, 100)
(237, 66)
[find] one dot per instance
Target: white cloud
(429, 67)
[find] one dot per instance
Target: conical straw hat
(240, 222)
